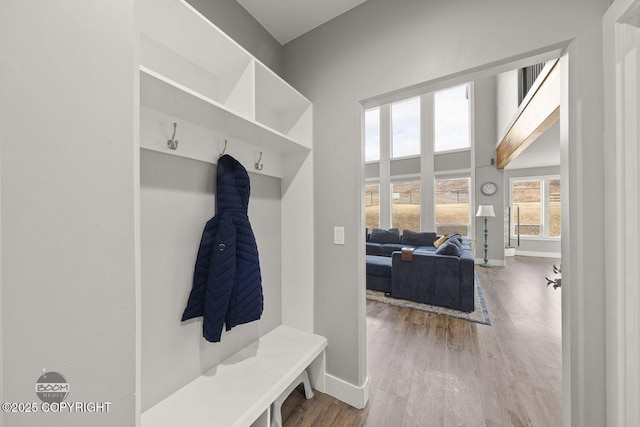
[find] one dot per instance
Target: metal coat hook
(258, 165)
(173, 142)
(224, 150)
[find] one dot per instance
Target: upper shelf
(162, 94)
(190, 69)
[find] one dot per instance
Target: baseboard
(538, 254)
(356, 396)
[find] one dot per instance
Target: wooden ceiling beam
(537, 113)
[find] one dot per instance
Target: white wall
(238, 24)
(380, 47)
(507, 88)
(67, 119)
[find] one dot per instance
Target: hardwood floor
(430, 370)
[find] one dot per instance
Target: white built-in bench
(241, 390)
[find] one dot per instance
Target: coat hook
(225, 148)
(258, 165)
(173, 143)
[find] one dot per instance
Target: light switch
(338, 235)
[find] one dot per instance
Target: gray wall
(67, 108)
(486, 136)
(237, 23)
(381, 47)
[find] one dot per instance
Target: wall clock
(489, 188)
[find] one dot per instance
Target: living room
(71, 183)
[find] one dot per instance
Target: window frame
(470, 91)
(405, 179)
(372, 182)
(455, 175)
(420, 136)
(364, 128)
(545, 216)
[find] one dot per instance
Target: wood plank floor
(429, 370)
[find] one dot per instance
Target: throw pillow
(456, 235)
(454, 240)
(440, 241)
(448, 248)
(379, 235)
(415, 238)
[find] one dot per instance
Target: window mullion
(385, 166)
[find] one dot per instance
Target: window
(406, 205)
(451, 119)
(536, 207)
(452, 205)
(553, 199)
(405, 125)
(372, 205)
(372, 135)
(527, 210)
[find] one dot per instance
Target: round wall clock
(489, 188)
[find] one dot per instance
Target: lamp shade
(485, 210)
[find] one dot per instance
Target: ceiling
(288, 19)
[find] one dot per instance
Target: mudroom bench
(246, 389)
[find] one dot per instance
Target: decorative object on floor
(557, 282)
(486, 211)
(479, 315)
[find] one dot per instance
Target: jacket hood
(233, 185)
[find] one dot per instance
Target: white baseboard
(538, 254)
(356, 396)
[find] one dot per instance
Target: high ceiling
(288, 19)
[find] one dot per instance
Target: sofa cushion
(414, 238)
(374, 248)
(440, 241)
(449, 248)
(378, 266)
(379, 235)
(388, 248)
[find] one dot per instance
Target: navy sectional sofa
(442, 276)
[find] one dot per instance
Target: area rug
(479, 315)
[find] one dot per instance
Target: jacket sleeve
(221, 280)
(195, 304)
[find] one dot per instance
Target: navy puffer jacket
(227, 285)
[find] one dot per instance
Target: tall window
(405, 126)
(536, 206)
(451, 119)
(452, 205)
(372, 135)
(553, 198)
(406, 205)
(372, 205)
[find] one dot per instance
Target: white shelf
(160, 93)
(192, 70)
(281, 107)
(230, 85)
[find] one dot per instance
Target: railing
(526, 77)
